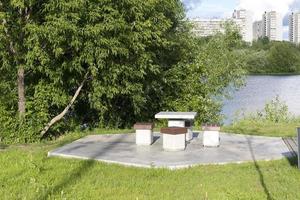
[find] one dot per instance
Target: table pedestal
(181, 123)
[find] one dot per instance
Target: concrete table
(179, 119)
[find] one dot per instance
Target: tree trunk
(65, 111)
(21, 92)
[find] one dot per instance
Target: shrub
(274, 111)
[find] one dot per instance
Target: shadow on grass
(260, 174)
(292, 155)
(293, 160)
(78, 173)
(3, 146)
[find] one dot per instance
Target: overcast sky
(224, 8)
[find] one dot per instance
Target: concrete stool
(211, 136)
(174, 138)
(144, 133)
(183, 123)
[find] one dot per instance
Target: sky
(225, 8)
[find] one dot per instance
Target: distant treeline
(264, 57)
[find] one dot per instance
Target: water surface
(261, 89)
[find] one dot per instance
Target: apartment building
(258, 30)
(243, 19)
(208, 27)
(294, 28)
(272, 26)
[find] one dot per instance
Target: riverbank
(263, 128)
(273, 74)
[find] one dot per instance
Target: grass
(263, 128)
(27, 173)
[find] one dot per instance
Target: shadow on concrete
(77, 147)
(260, 174)
(155, 139)
(196, 135)
(83, 169)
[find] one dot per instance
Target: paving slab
(121, 149)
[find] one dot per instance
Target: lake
(261, 89)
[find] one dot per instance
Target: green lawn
(263, 128)
(27, 173)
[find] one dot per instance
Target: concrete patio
(121, 149)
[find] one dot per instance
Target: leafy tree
(261, 44)
(266, 56)
(124, 47)
(204, 80)
(106, 63)
(232, 36)
(257, 61)
(121, 52)
(15, 16)
(284, 57)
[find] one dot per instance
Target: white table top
(176, 115)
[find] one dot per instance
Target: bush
(27, 130)
(16, 130)
(275, 111)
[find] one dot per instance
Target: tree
(261, 44)
(257, 61)
(125, 47)
(266, 56)
(205, 78)
(110, 64)
(284, 57)
(11, 38)
(121, 45)
(16, 17)
(232, 35)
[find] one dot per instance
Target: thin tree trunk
(65, 111)
(21, 92)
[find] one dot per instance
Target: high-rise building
(294, 28)
(243, 18)
(258, 30)
(272, 26)
(208, 27)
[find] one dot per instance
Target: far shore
(273, 74)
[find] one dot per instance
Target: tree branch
(65, 111)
